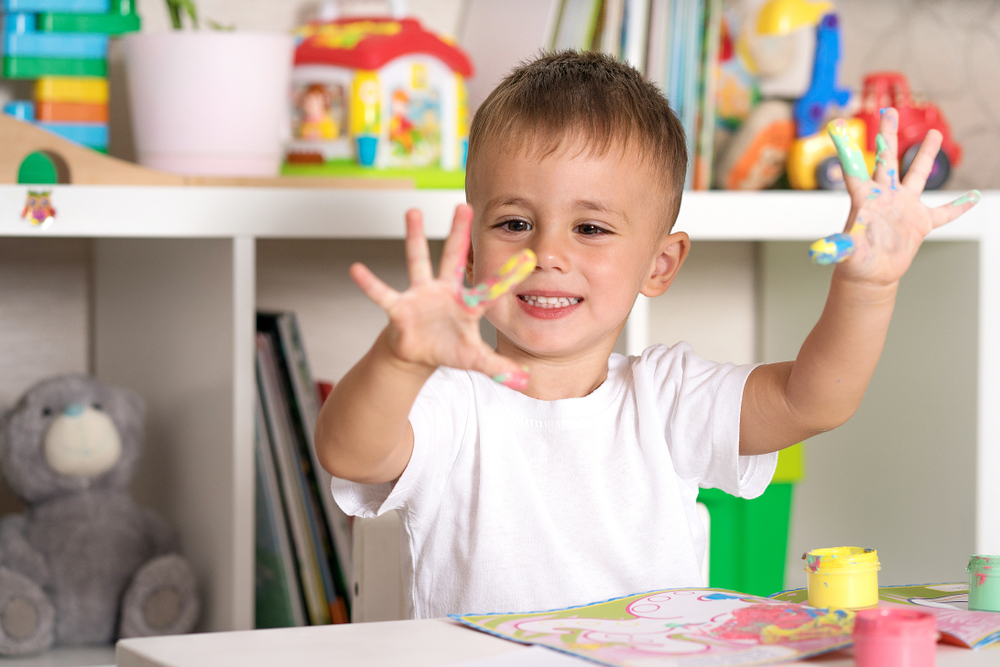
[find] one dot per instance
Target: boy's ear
(671, 253)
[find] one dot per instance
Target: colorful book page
(679, 626)
(949, 602)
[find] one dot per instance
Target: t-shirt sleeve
(439, 418)
(701, 401)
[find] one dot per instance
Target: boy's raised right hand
(436, 321)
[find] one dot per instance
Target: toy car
(891, 89)
(812, 161)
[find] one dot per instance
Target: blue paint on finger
(831, 250)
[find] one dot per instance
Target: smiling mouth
(549, 301)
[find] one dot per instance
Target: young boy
(576, 481)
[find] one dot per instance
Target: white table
(420, 643)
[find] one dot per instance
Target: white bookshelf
(176, 276)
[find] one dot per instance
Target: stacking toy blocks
(63, 45)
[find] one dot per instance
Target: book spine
(278, 596)
(291, 485)
(303, 468)
(710, 87)
(307, 398)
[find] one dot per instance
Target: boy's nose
(551, 254)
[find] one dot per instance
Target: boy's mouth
(549, 301)
(548, 307)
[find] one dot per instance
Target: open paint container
(984, 583)
(842, 577)
(891, 637)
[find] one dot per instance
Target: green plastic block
(38, 169)
(748, 539)
(109, 24)
(16, 67)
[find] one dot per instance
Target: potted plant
(208, 102)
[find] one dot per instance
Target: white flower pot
(209, 102)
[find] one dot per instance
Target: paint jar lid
(979, 564)
(841, 560)
(889, 621)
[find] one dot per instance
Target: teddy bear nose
(73, 410)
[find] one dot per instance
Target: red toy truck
(891, 89)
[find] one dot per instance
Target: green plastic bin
(748, 541)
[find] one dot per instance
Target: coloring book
(678, 627)
(949, 602)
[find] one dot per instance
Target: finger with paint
(513, 271)
(838, 247)
(886, 149)
(852, 159)
(514, 379)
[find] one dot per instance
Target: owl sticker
(38, 209)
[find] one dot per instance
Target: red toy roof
(369, 43)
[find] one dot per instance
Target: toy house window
(320, 112)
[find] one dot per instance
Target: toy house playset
(380, 93)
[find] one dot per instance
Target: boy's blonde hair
(589, 96)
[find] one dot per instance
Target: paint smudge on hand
(832, 250)
(851, 157)
(514, 379)
(513, 271)
(883, 147)
(971, 196)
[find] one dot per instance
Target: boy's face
(596, 225)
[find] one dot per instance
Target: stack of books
(303, 550)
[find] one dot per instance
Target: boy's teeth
(550, 301)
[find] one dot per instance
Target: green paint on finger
(883, 147)
(851, 157)
(970, 196)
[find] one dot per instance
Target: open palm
(435, 322)
(888, 222)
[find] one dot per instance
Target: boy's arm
(363, 433)
(788, 402)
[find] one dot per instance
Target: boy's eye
(590, 230)
(515, 225)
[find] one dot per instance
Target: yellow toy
(812, 161)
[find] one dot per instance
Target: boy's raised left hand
(887, 222)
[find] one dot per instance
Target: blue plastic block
(74, 6)
(19, 23)
(56, 45)
(94, 135)
(21, 110)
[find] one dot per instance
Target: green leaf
(177, 7)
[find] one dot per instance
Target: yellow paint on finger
(513, 271)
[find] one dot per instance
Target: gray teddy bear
(84, 564)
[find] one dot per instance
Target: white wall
(712, 304)
(900, 475)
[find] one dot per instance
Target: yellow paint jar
(842, 577)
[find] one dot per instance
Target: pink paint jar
(890, 637)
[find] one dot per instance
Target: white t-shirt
(510, 503)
